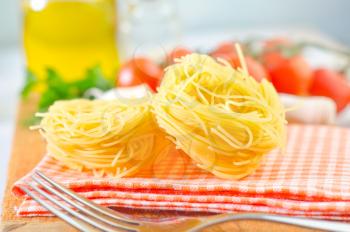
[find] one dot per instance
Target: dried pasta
(221, 117)
(110, 137)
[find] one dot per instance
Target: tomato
(331, 84)
(227, 51)
(139, 71)
(292, 75)
(271, 57)
(178, 52)
(255, 69)
(224, 48)
(288, 74)
(271, 60)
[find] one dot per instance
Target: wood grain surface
(28, 148)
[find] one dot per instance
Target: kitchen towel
(310, 177)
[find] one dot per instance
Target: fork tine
(80, 225)
(84, 201)
(87, 211)
(89, 220)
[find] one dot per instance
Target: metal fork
(85, 215)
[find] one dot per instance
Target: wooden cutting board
(27, 150)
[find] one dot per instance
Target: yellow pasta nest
(104, 136)
(221, 117)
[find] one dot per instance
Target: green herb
(30, 82)
(59, 89)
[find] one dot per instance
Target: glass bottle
(70, 36)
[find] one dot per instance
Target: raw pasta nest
(105, 136)
(221, 117)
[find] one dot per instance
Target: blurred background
(329, 16)
(128, 22)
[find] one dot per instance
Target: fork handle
(296, 221)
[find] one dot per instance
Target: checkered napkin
(311, 178)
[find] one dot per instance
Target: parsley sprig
(59, 89)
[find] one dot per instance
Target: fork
(86, 215)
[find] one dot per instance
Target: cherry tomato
(224, 48)
(270, 56)
(139, 71)
(271, 60)
(227, 51)
(288, 74)
(255, 69)
(292, 75)
(179, 52)
(331, 84)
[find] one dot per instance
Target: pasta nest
(111, 137)
(221, 117)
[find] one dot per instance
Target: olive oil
(70, 36)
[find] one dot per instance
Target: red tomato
(138, 71)
(292, 75)
(255, 69)
(331, 84)
(179, 52)
(224, 48)
(227, 51)
(271, 60)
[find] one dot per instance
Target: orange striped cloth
(311, 178)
